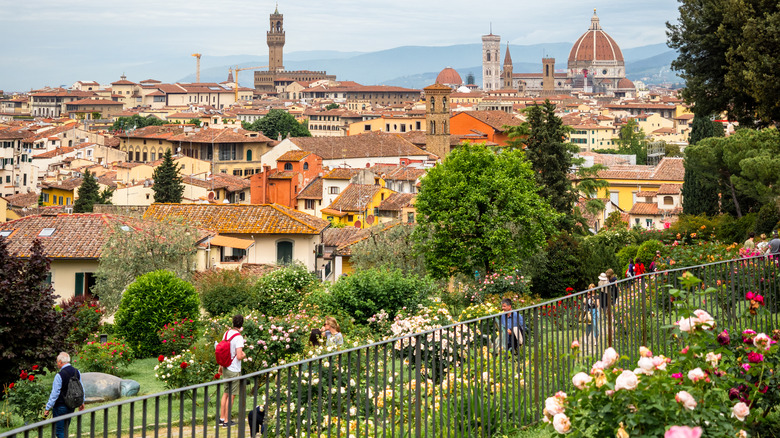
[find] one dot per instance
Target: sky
(58, 42)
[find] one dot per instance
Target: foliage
(615, 221)
(367, 292)
(89, 194)
(278, 123)
(623, 256)
(475, 311)
(729, 229)
(141, 247)
(479, 211)
(699, 191)
(587, 185)
(178, 335)
(632, 141)
(601, 251)
(183, 370)
(103, 358)
(279, 292)
(646, 251)
(332, 106)
(562, 269)
(390, 247)
(223, 290)
(767, 218)
(32, 331)
(704, 127)
(153, 300)
(168, 186)
(86, 314)
(195, 122)
(672, 150)
(550, 155)
(135, 122)
(27, 396)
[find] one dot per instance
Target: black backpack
(74, 393)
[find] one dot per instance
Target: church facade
(595, 65)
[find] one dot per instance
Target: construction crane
(234, 71)
(197, 68)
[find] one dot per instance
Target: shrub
(221, 291)
(85, 314)
(104, 358)
(281, 291)
(184, 370)
(623, 256)
(730, 229)
(563, 268)
(646, 251)
(767, 219)
(150, 302)
(27, 396)
(178, 335)
(366, 292)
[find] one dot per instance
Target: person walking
(511, 327)
(774, 245)
(750, 243)
(630, 270)
(332, 326)
(639, 267)
(60, 397)
(234, 370)
(592, 309)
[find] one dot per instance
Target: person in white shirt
(234, 370)
(332, 327)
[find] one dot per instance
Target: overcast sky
(81, 36)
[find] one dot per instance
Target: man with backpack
(67, 394)
(230, 353)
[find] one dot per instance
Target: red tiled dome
(625, 83)
(595, 45)
(449, 76)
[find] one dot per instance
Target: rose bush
(104, 358)
(27, 396)
(178, 335)
(184, 370)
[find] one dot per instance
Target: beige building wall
(390, 124)
(63, 275)
(264, 250)
(138, 194)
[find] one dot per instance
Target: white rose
(646, 363)
(762, 341)
(561, 423)
(740, 411)
(704, 319)
(553, 405)
(580, 380)
(696, 374)
(626, 380)
(659, 362)
(599, 365)
(610, 357)
(686, 399)
(713, 358)
(686, 324)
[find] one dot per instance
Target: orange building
(294, 171)
(489, 123)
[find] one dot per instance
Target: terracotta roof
(285, 174)
(236, 135)
(123, 82)
(341, 173)
(373, 144)
(345, 249)
(354, 198)
(341, 236)
(671, 169)
(595, 45)
(396, 202)
(68, 184)
(670, 189)
(450, 76)
(55, 152)
(625, 83)
(29, 199)
(156, 132)
(398, 173)
(95, 102)
(231, 183)
(645, 194)
(258, 269)
(644, 208)
(495, 119)
(313, 190)
(75, 236)
(240, 219)
(293, 156)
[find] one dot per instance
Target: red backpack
(223, 351)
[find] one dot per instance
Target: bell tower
(548, 76)
(491, 62)
(437, 119)
(275, 39)
(506, 73)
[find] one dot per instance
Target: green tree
(587, 184)
(480, 211)
(632, 141)
(704, 127)
(135, 122)
(151, 301)
(332, 106)
(700, 191)
(195, 122)
(279, 122)
(140, 247)
(89, 194)
(168, 186)
(32, 331)
(391, 248)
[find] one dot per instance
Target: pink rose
(645, 352)
(713, 358)
(580, 380)
(659, 362)
(553, 405)
(599, 365)
(646, 364)
(762, 341)
(696, 374)
(749, 296)
(575, 344)
(704, 319)
(561, 423)
(686, 399)
(686, 324)
(683, 432)
(754, 357)
(610, 357)
(626, 380)
(740, 411)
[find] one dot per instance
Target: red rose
(161, 358)
(216, 377)
(23, 375)
(31, 378)
(11, 386)
(184, 365)
(35, 367)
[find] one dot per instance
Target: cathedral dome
(595, 45)
(449, 76)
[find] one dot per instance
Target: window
(237, 172)
(410, 218)
(249, 154)
(668, 200)
(45, 197)
(284, 252)
(305, 166)
(418, 125)
(636, 221)
(309, 204)
(350, 218)
(288, 166)
(614, 197)
(333, 190)
(366, 127)
(227, 152)
(5, 233)
(46, 232)
(649, 223)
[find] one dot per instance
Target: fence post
(643, 297)
(241, 408)
(536, 376)
(417, 391)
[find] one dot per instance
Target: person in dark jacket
(59, 387)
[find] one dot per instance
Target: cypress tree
(89, 194)
(168, 185)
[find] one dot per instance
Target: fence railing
(473, 378)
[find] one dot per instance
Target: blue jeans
(61, 427)
(593, 327)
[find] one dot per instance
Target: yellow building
(60, 192)
(356, 205)
(626, 181)
(148, 143)
(590, 137)
(391, 124)
(236, 151)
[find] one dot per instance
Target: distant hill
(418, 66)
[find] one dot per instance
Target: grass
(539, 431)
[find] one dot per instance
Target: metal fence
(466, 379)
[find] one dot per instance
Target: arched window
(284, 252)
(668, 200)
(433, 127)
(305, 166)
(249, 154)
(547, 70)
(488, 56)
(288, 166)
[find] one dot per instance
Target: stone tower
(437, 117)
(275, 38)
(548, 76)
(491, 62)
(506, 74)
